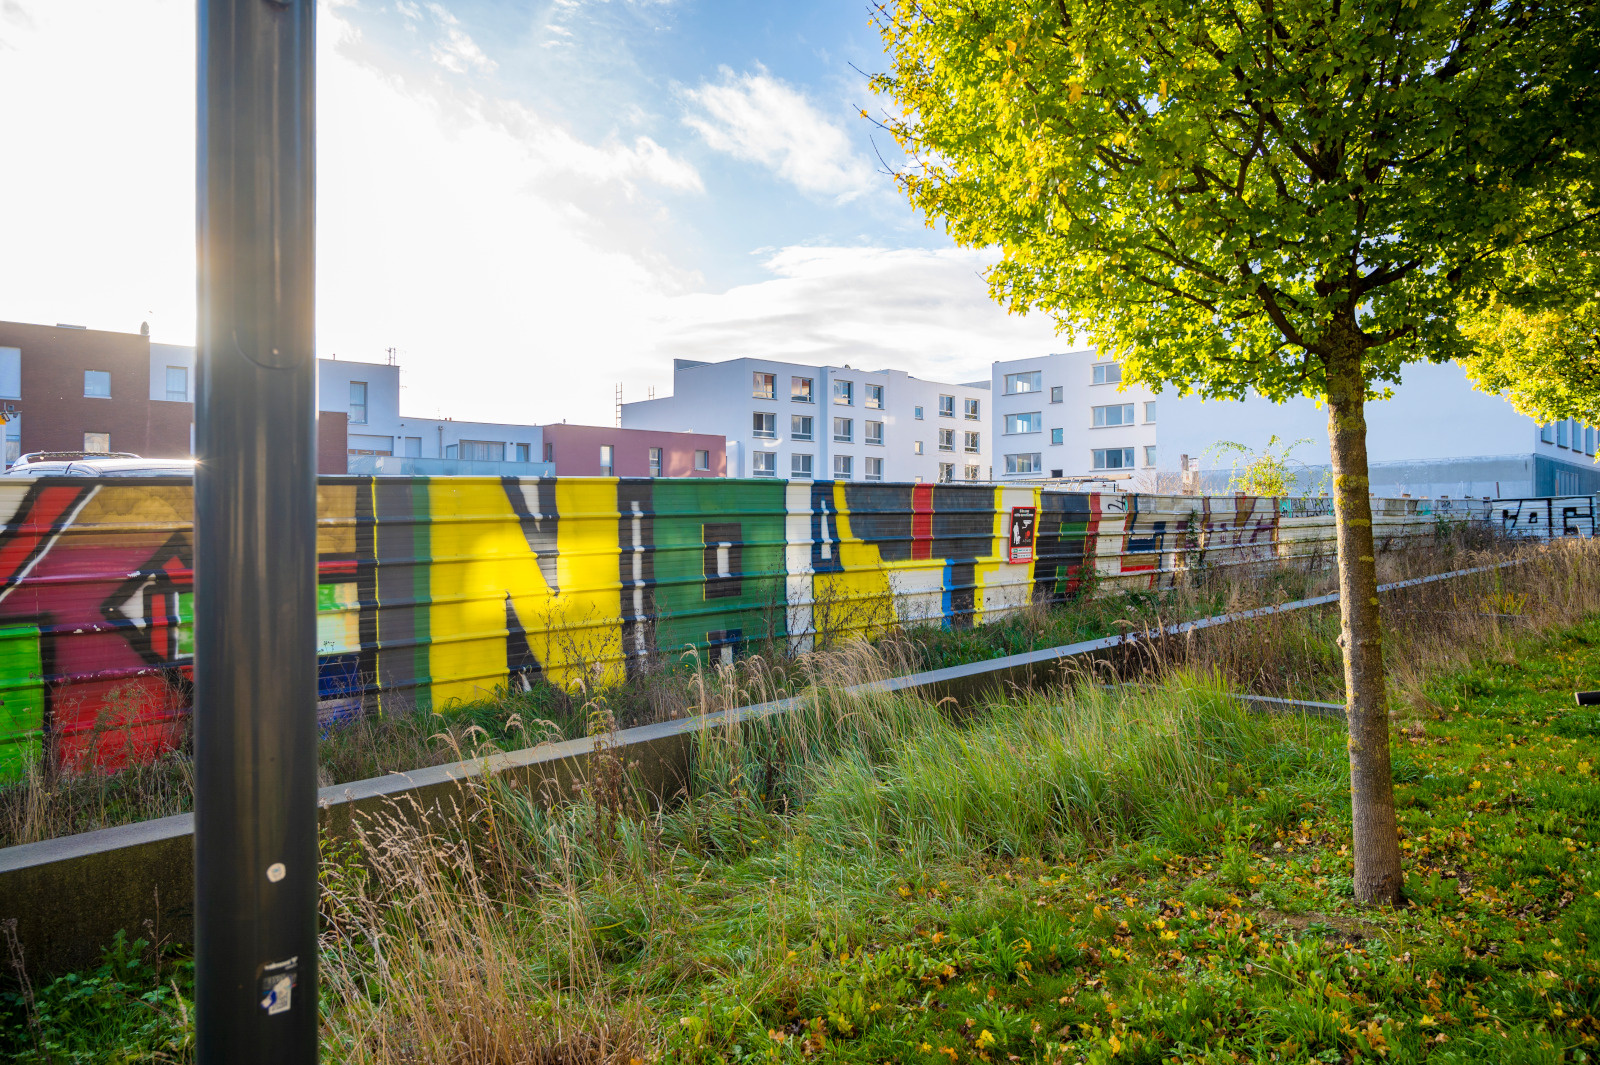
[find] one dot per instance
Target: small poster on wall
(1022, 522)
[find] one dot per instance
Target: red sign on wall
(1021, 545)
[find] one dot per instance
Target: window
(1055, 393)
(483, 450)
(972, 410)
(947, 439)
(702, 461)
(874, 397)
(1023, 463)
(844, 393)
(916, 412)
(606, 463)
(1056, 435)
(14, 439)
(842, 466)
(1023, 423)
(1149, 454)
(524, 451)
(1547, 433)
(875, 433)
(10, 373)
(947, 472)
(916, 448)
(178, 383)
(1149, 411)
(549, 452)
(971, 443)
(413, 445)
(1561, 434)
(1113, 458)
(1107, 373)
(97, 384)
(358, 403)
(1017, 383)
(764, 425)
(763, 386)
(1588, 440)
(800, 466)
(844, 430)
(947, 406)
(1115, 414)
(801, 391)
(972, 473)
(655, 462)
(764, 463)
(362, 444)
(874, 470)
(800, 426)
(100, 442)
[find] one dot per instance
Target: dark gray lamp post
(255, 538)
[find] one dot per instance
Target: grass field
(1144, 874)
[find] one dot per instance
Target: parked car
(97, 464)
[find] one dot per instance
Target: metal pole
(255, 538)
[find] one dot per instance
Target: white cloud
(922, 310)
(759, 118)
(457, 51)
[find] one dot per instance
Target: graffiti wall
(437, 591)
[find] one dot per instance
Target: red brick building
(599, 451)
(86, 390)
(93, 390)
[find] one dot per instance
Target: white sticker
(277, 1000)
(276, 872)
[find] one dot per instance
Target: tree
(1286, 196)
(1267, 472)
(1536, 333)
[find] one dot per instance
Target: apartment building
(808, 422)
(88, 390)
(1070, 415)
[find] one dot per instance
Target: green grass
(1139, 875)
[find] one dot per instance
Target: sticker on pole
(1022, 522)
(277, 985)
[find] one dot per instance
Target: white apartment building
(1066, 415)
(1069, 415)
(369, 395)
(803, 422)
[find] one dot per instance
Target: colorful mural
(437, 591)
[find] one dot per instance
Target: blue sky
(530, 200)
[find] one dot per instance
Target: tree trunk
(1378, 876)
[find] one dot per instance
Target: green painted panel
(748, 515)
(21, 700)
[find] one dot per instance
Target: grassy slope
(851, 933)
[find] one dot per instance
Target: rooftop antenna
(652, 392)
(391, 352)
(619, 404)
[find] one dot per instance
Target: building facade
(605, 451)
(798, 421)
(1068, 415)
(87, 390)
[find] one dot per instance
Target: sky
(530, 201)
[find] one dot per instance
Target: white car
(90, 464)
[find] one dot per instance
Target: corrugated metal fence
(437, 590)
